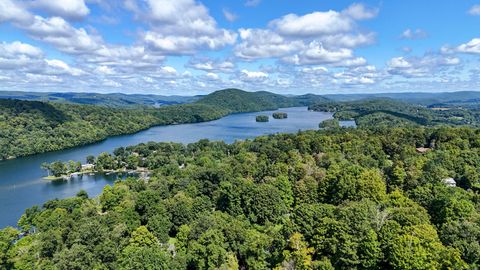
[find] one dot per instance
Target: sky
(189, 47)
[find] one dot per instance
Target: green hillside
(309, 99)
(334, 199)
(394, 113)
(31, 127)
(236, 100)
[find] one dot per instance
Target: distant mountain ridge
(30, 126)
(235, 100)
(110, 100)
(240, 100)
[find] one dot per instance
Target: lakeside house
(88, 167)
(450, 182)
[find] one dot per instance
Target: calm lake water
(22, 186)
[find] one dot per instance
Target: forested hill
(31, 127)
(394, 113)
(336, 199)
(236, 100)
(109, 100)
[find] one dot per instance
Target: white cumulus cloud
(425, 66)
(56, 66)
(261, 43)
(474, 10)
(312, 24)
(59, 33)
(207, 64)
(212, 76)
(473, 46)
(71, 9)
(181, 27)
(359, 11)
(19, 48)
(11, 10)
(320, 37)
(315, 53)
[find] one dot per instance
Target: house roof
(449, 181)
(422, 149)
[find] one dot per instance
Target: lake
(22, 186)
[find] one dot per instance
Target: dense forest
(393, 113)
(328, 199)
(31, 127)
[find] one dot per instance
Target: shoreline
(67, 177)
(15, 170)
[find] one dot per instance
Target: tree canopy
(381, 113)
(327, 199)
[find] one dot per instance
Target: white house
(449, 182)
(87, 167)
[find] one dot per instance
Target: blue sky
(185, 47)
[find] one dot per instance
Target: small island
(280, 115)
(261, 118)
